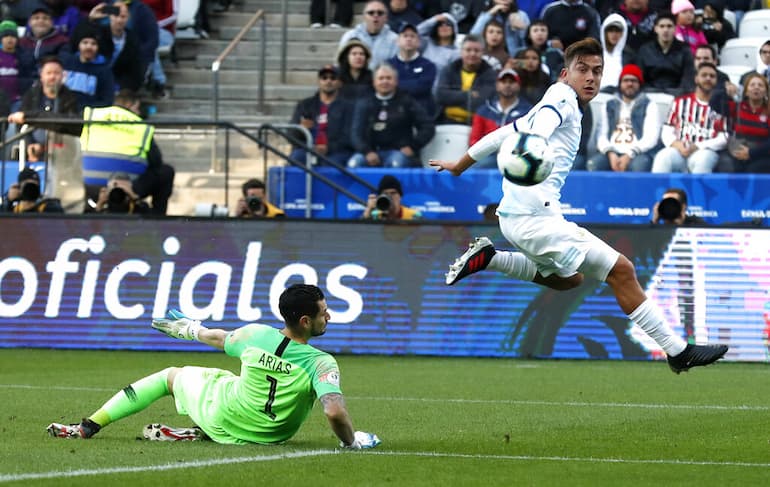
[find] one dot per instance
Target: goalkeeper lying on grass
(281, 375)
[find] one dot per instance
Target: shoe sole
(57, 430)
(476, 247)
(161, 432)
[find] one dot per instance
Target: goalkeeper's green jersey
(279, 382)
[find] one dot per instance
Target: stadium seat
(663, 101)
(450, 142)
(185, 21)
(729, 16)
(742, 51)
(734, 72)
(755, 23)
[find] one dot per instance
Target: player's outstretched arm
(181, 327)
(339, 421)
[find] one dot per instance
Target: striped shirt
(694, 122)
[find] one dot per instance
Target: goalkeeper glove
(178, 325)
(362, 440)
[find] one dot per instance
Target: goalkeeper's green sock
(133, 398)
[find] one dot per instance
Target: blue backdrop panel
(587, 197)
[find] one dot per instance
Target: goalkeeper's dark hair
(299, 300)
(586, 47)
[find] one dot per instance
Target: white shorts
(558, 246)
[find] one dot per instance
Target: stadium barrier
(95, 283)
(588, 197)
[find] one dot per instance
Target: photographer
(254, 203)
(672, 210)
(24, 196)
(386, 204)
(118, 197)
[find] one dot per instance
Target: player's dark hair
(585, 47)
(299, 300)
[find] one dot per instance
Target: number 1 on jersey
(270, 396)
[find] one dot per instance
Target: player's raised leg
(481, 254)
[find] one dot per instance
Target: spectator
(513, 24)
(533, 8)
(534, 81)
(65, 16)
(128, 148)
(614, 50)
(141, 22)
(707, 54)
(438, 34)
(41, 39)
(570, 21)
(125, 64)
(551, 58)
(465, 83)
(495, 52)
(88, 73)
(640, 22)
(686, 30)
(386, 204)
(416, 74)
(118, 197)
(497, 111)
(343, 14)
(666, 63)
(328, 117)
(25, 196)
(389, 126)
(401, 12)
(464, 12)
(375, 33)
(46, 99)
(672, 209)
(763, 63)
(165, 12)
(354, 73)
(714, 25)
(749, 146)
(254, 203)
(15, 78)
(694, 133)
(628, 128)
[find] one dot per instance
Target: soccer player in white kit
(554, 252)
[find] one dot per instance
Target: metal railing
(217, 64)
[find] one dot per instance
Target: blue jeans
(668, 160)
(165, 38)
(601, 162)
(388, 158)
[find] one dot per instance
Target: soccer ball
(520, 159)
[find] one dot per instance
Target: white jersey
(563, 145)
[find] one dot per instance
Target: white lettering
(308, 274)
(28, 288)
(338, 290)
(215, 309)
(250, 268)
(112, 289)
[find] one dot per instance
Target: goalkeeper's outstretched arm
(183, 328)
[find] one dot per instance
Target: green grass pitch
(443, 421)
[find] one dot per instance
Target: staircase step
(326, 50)
(244, 92)
(274, 32)
(298, 63)
(191, 75)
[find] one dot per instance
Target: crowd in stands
(88, 60)
(483, 63)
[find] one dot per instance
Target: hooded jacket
(383, 45)
(619, 56)
(92, 82)
(438, 55)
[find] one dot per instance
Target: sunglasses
(375, 13)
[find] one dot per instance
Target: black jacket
(449, 92)
(340, 115)
(66, 107)
(390, 124)
(671, 72)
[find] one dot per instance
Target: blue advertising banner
(588, 197)
(97, 282)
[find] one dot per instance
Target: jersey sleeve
(326, 376)
(237, 340)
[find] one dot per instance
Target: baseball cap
(328, 68)
(8, 28)
(406, 25)
(43, 9)
(508, 72)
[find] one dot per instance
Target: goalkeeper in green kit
(281, 375)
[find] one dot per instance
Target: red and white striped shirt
(695, 122)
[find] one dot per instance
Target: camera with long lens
(669, 209)
(254, 203)
(118, 201)
(383, 202)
